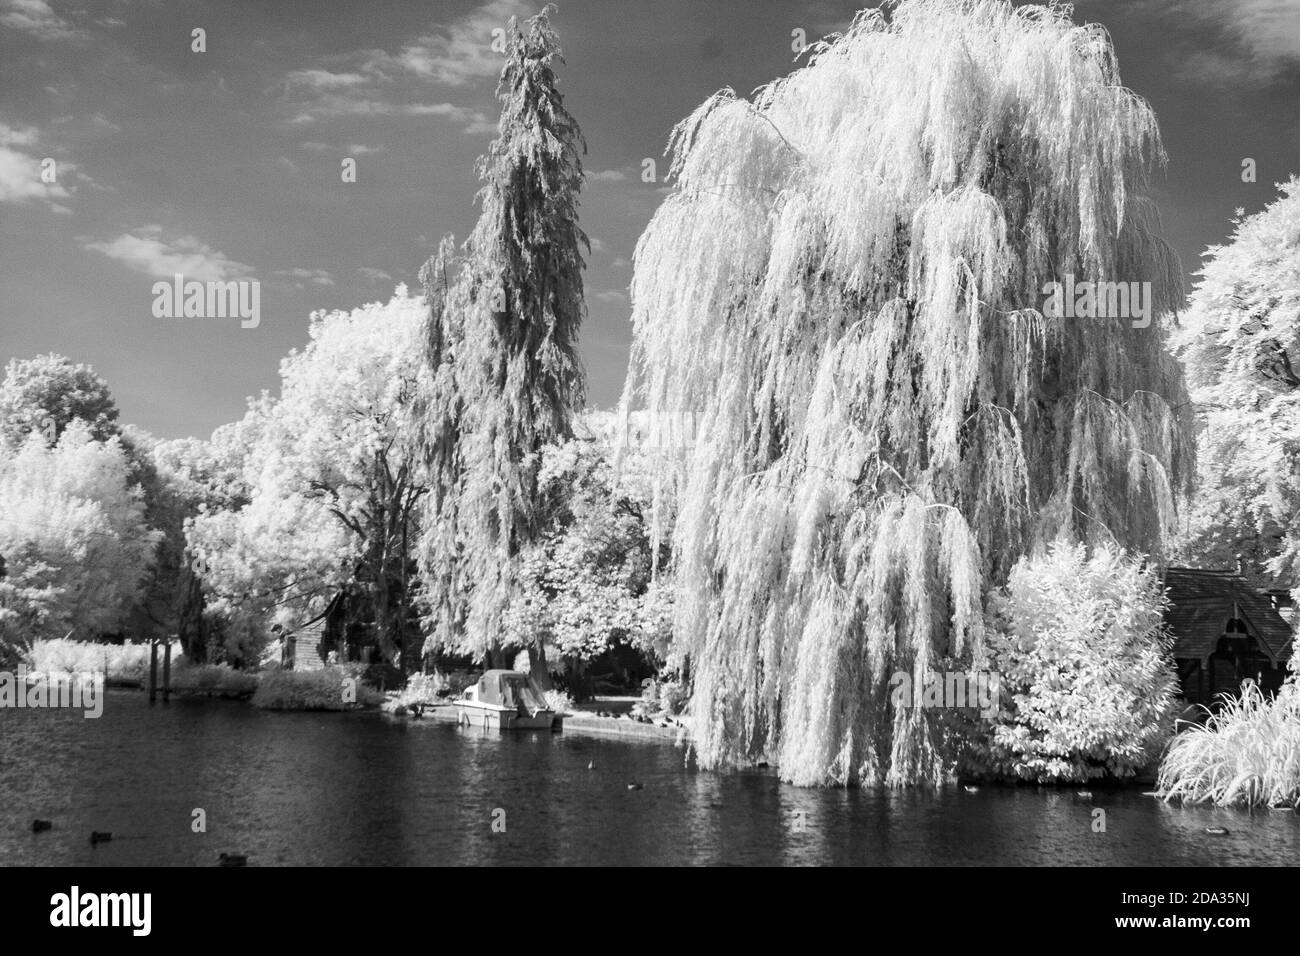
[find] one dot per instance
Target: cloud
(607, 176)
(324, 79)
(18, 135)
(462, 52)
(20, 171)
(147, 250)
(37, 18)
(376, 83)
(620, 263)
(374, 275)
(332, 106)
(314, 276)
(1270, 28)
(597, 245)
(1256, 39)
(612, 295)
(354, 149)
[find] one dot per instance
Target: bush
(559, 701)
(424, 689)
(1248, 754)
(660, 699)
(1087, 689)
(322, 689)
(220, 679)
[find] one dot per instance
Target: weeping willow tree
(846, 287)
(501, 377)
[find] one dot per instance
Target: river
(366, 789)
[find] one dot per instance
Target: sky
(226, 163)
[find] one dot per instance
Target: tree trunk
(537, 668)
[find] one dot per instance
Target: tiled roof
(1201, 604)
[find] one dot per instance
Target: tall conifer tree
(503, 372)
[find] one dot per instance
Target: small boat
(506, 700)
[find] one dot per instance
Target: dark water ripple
(363, 789)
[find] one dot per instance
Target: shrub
(660, 698)
(220, 679)
(1248, 754)
(422, 689)
(1086, 685)
(558, 701)
(322, 689)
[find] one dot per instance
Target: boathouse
(1224, 632)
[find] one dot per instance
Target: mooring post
(153, 671)
(167, 671)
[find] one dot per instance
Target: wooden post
(153, 671)
(167, 671)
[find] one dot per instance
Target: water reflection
(330, 789)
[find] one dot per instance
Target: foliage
(422, 689)
(219, 679)
(587, 584)
(320, 689)
(661, 698)
(1247, 754)
(127, 662)
(1079, 645)
(558, 701)
(330, 500)
(502, 377)
(44, 395)
(845, 286)
(76, 547)
(1240, 340)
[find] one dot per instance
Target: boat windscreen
(511, 689)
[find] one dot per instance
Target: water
(365, 789)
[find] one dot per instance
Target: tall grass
(1247, 755)
(115, 661)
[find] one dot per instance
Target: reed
(1248, 754)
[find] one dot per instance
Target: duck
(1083, 794)
(97, 837)
(232, 859)
(1216, 831)
(591, 765)
(40, 826)
(971, 788)
(635, 786)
